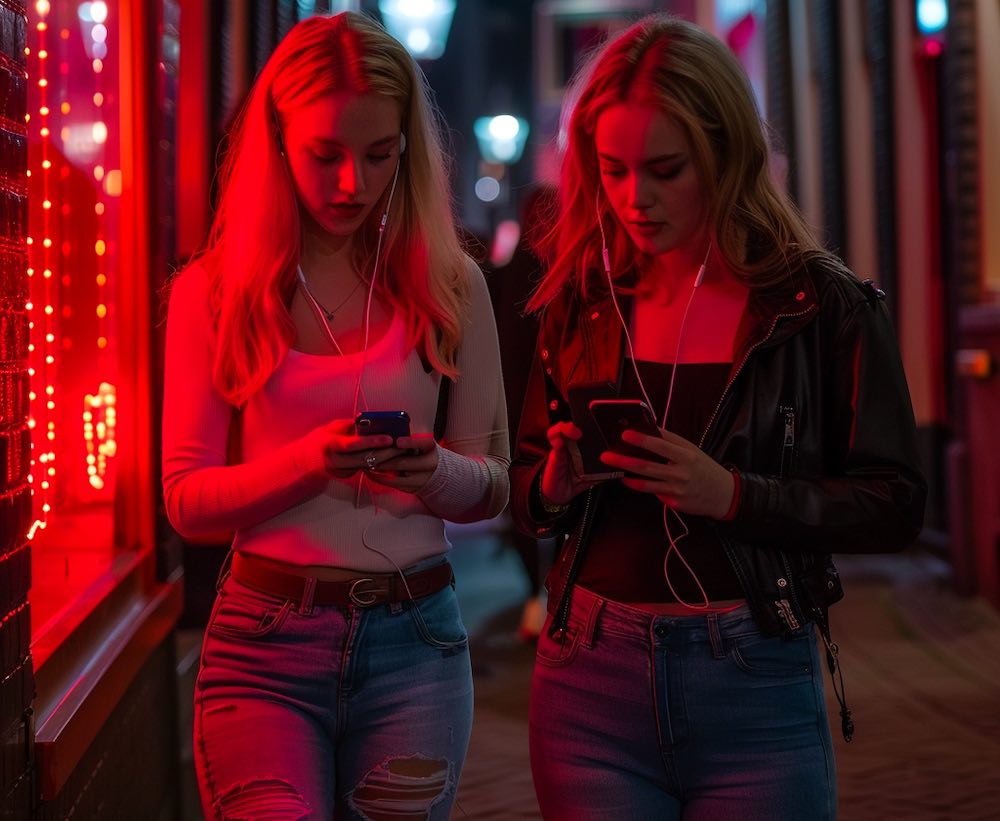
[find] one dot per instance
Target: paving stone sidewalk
(922, 667)
(922, 671)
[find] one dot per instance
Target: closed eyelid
(659, 158)
(328, 145)
(671, 170)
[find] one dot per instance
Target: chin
(652, 245)
(339, 229)
(343, 227)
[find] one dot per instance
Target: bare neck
(321, 251)
(675, 272)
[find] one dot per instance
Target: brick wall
(16, 681)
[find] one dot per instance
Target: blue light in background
(932, 16)
(501, 138)
(420, 25)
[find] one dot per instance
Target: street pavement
(921, 668)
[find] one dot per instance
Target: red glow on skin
(342, 150)
(649, 179)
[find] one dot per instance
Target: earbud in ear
(402, 142)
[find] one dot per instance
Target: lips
(346, 210)
(646, 228)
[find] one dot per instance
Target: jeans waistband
(588, 609)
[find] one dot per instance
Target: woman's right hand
(345, 453)
(561, 476)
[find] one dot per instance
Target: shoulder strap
(441, 416)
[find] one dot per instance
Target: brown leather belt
(367, 590)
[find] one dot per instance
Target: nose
(350, 177)
(639, 194)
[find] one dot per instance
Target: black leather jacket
(816, 417)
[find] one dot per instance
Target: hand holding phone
(614, 416)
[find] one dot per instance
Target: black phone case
(391, 423)
(613, 417)
(592, 443)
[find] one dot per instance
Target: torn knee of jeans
(261, 798)
(403, 787)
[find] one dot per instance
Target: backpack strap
(441, 415)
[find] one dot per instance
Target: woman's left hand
(680, 474)
(408, 472)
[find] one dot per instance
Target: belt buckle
(362, 598)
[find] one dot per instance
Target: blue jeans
(354, 713)
(695, 717)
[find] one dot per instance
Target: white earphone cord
(359, 393)
(672, 546)
(441, 643)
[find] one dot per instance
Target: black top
(628, 542)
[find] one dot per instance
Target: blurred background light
(501, 138)
(932, 16)
(420, 25)
(487, 189)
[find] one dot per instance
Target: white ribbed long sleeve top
(278, 500)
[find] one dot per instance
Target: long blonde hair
(254, 244)
(694, 79)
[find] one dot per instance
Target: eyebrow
(647, 161)
(382, 141)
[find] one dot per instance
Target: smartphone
(613, 416)
(592, 444)
(391, 423)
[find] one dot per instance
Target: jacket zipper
(788, 441)
(783, 613)
(561, 620)
(784, 605)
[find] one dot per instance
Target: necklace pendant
(329, 315)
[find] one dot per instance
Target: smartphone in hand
(614, 416)
(392, 423)
(592, 443)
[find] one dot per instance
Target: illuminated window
(74, 162)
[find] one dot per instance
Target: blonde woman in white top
(335, 677)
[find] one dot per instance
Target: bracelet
(734, 505)
(547, 506)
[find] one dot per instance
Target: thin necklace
(328, 313)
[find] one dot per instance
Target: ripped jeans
(354, 714)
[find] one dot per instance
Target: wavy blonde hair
(696, 81)
(254, 244)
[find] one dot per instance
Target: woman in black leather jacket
(679, 675)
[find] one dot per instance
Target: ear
(402, 142)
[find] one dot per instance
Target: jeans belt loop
(715, 636)
(594, 609)
(225, 571)
(308, 594)
(362, 598)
